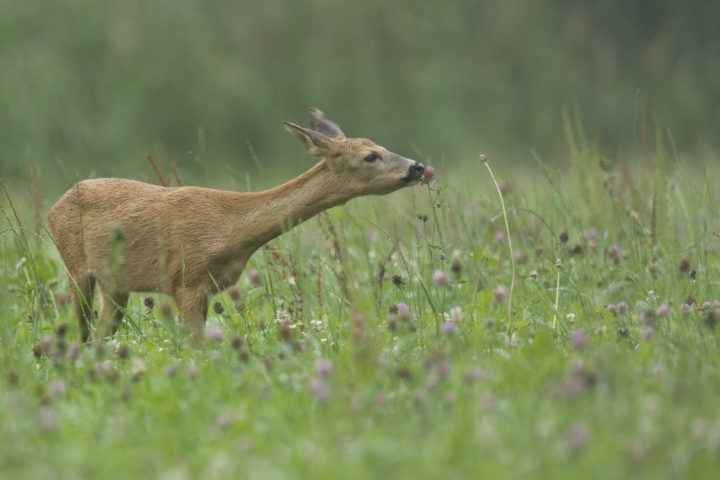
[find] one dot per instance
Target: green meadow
(374, 341)
(563, 323)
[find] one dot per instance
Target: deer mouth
(414, 173)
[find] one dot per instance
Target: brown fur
(188, 242)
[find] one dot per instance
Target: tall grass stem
(484, 161)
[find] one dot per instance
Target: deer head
(364, 167)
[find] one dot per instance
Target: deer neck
(281, 208)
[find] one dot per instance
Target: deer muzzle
(414, 172)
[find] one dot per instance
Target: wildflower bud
(662, 311)
(439, 278)
(149, 303)
(254, 277)
(73, 351)
(320, 389)
(46, 341)
(622, 307)
(456, 267)
(402, 310)
(234, 293)
(397, 280)
(448, 328)
(712, 318)
(577, 249)
(499, 294)
(428, 175)
(218, 308)
(236, 343)
(591, 237)
(648, 332)
(483, 159)
(213, 332)
(685, 265)
(564, 237)
(323, 367)
(578, 340)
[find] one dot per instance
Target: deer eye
(372, 157)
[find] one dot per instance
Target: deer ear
(314, 142)
(324, 124)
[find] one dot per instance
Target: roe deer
(188, 242)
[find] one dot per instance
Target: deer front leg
(111, 313)
(82, 288)
(193, 303)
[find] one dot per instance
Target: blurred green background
(87, 86)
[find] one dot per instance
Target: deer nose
(418, 168)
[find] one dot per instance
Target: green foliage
(312, 368)
(87, 86)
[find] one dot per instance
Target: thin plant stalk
(484, 161)
(557, 300)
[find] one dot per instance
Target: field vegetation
(377, 340)
(374, 341)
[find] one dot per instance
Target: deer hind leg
(82, 289)
(193, 303)
(111, 313)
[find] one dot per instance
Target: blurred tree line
(87, 86)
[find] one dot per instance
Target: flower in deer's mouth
(428, 175)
